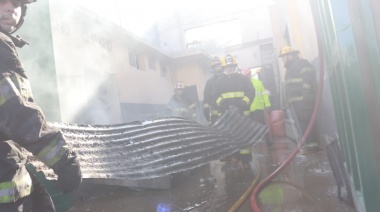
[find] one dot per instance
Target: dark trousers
(38, 201)
(303, 112)
(259, 116)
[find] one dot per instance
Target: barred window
(134, 60)
(152, 63)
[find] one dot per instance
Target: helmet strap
(21, 21)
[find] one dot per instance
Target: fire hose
(257, 189)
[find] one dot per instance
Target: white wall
(92, 57)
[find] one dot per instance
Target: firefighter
(300, 92)
(234, 90)
(181, 105)
(209, 102)
(261, 102)
(23, 125)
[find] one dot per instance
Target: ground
(307, 184)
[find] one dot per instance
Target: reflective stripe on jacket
(261, 100)
(20, 186)
(245, 151)
(300, 81)
(233, 95)
(234, 90)
(22, 123)
(182, 107)
(16, 100)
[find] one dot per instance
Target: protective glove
(206, 112)
(243, 106)
(40, 197)
(69, 176)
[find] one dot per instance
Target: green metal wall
(352, 54)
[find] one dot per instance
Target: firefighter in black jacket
(234, 90)
(22, 124)
(209, 102)
(181, 105)
(300, 90)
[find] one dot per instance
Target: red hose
(255, 192)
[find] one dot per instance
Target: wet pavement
(306, 184)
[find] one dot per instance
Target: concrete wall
(94, 73)
(87, 59)
(191, 73)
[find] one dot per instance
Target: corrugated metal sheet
(157, 148)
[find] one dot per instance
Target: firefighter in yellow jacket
(22, 124)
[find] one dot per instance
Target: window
(152, 63)
(134, 60)
(163, 71)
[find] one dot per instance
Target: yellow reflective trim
(258, 93)
(231, 95)
(306, 86)
(53, 152)
(182, 109)
(246, 100)
(5, 185)
(192, 106)
(295, 99)
(20, 186)
(307, 69)
(6, 199)
(245, 151)
(8, 90)
(7, 192)
(206, 105)
(214, 112)
(219, 100)
(294, 80)
(23, 86)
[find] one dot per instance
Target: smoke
(79, 59)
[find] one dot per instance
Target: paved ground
(306, 185)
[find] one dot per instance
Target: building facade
(90, 71)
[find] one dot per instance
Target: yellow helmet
(229, 61)
(287, 50)
(179, 85)
(216, 61)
